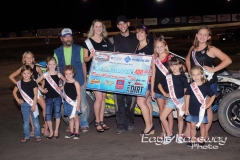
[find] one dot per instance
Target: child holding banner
(196, 104)
(159, 72)
(72, 96)
(53, 95)
(28, 101)
(177, 84)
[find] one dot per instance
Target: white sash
(52, 83)
(74, 104)
(27, 99)
(173, 95)
(201, 100)
(89, 45)
(160, 66)
(209, 74)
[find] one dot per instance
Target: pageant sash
(160, 66)
(209, 74)
(27, 99)
(173, 95)
(89, 45)
(52, 83)
(201, 100)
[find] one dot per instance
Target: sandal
(38, 139)
(24, 140)
(32, 134)
(104, 126)
(161, 136)
(97, 124)
(46, 133)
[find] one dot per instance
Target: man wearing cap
(72, 54)
(125, 42)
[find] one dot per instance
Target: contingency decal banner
(119, 73)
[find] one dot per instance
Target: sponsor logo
(140, 60)
(120, 84)
(127, 59)
(95, 81)
(108, 83)
(134, 87)
(116, 58)
(102, 57)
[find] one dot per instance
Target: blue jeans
(214, 87)
(83, 118)
(53, 104)
(26, 111)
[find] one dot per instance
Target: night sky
(78, 14)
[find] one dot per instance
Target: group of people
(168, 85)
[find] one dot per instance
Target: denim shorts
(157, 95)
(195, 119)
(171, 104)
(214, 88)
(53, 105)
(149, 86)
(68, 109)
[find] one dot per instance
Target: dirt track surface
(93, 145)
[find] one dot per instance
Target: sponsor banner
(164, 21)
(119, 73)
(180, 20)
(135, 22)
(150, 21)
(194, 19)
(223, 17)
(209, 18)
(108, 24)
(236, 17)
(44, 32)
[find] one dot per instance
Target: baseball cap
(122, 18)
(66, 31)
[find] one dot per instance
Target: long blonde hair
(24, 55)
(50, 58)
(209, 42)
(91, 31)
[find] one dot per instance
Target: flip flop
(24, 140)
(38, 139)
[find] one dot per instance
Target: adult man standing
(72, 54)
(125, 42)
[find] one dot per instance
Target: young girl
(196, 104)
(145, 48)
(159, 72)
(28, 59)
(202, 53)
(72, 96)
(176, 85)
(53, 95)
(28, 101)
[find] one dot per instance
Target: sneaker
(189, 144)
(130, 128)
(168, 139)
(120, 131)
(76, 136)
(69, 135)
(85, 129)
(180, 140)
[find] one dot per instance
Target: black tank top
(51, 92)
(35, 73)
(160, 77)
(204, 60)
(70, 90)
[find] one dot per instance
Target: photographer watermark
(210, 143)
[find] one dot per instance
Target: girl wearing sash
(72, 96)
(159, 72)
(196, 104)
(202, 53)
(28, 59)
(174, 89)
(53, 95)
(28, 89)
(97, 40)
(145, 48)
